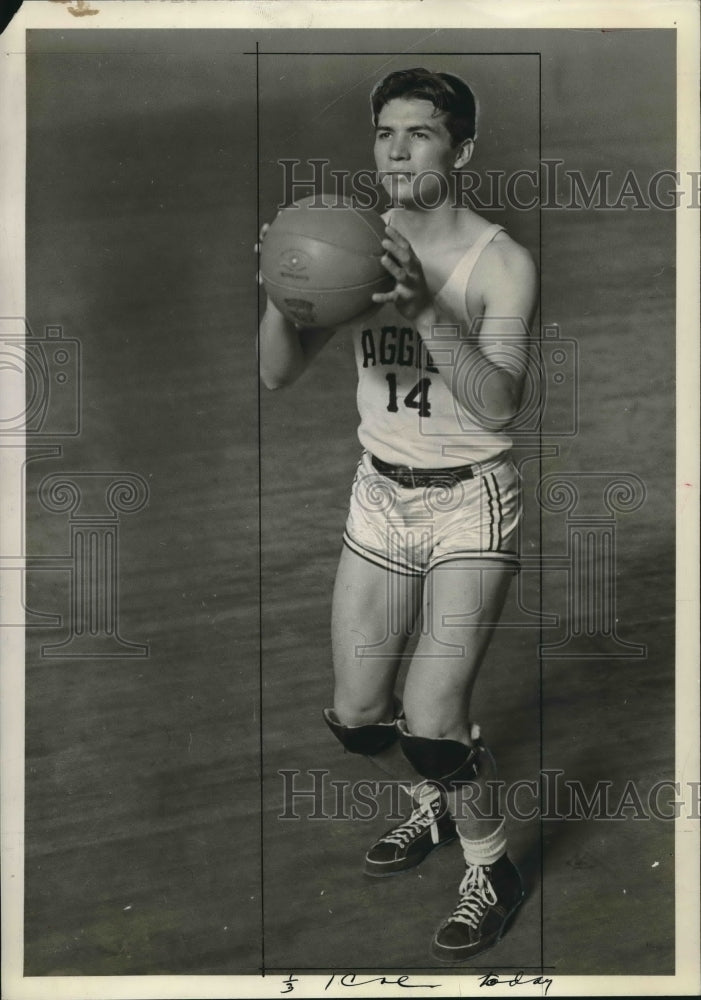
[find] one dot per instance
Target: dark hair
(446, 93)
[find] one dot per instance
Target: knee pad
(448, 763)
(369, 739)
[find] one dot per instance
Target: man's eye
(383, 135)
(420, 135)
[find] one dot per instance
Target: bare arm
(285, 350)
(484, 367)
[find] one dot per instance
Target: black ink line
(428, 970)
(260, 550)
(365, 52)
(540, 519)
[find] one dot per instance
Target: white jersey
(408, 415)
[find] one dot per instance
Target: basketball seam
(366, 224)
(318, 291)
(319, 239)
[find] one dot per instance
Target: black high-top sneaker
(406, 845)
(489, 895)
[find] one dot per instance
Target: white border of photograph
(417, 14)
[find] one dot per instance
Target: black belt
(409, 478)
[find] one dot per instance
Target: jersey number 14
(415, 399)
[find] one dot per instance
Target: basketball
(320, 261)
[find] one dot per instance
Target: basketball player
(429, 544)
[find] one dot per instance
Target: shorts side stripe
(500, 508)
(495, 512)
(377, 559)
(506, 557)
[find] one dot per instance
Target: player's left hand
(410, 293)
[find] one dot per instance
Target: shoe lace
(422, 818)
(477, 894)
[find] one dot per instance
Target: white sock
(486, 851)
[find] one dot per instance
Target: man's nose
(399, 149)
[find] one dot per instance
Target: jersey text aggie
(392, 345)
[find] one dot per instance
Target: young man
(429, 541)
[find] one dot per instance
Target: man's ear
(464, 153)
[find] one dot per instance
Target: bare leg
(462, 604)
(374, 612)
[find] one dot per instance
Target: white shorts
(409, 530)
